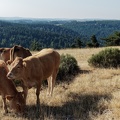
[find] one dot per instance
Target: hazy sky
(75, 9)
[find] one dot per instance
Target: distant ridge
(53, 19)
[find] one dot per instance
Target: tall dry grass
(93, 94)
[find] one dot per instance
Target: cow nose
(9, 75)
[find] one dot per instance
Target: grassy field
(93, 94)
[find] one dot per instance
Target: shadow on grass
(79, 108)
(85, 71)
(70, 77)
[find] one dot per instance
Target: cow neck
(10, 89)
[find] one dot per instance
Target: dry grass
(94, 94)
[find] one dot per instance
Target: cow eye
(18, 67)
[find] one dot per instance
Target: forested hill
(100, 29)
(35, 34)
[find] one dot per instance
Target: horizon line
(18, 18)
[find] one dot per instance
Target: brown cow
(5, 54)
(9, 91)
(18, 51)
(32, 70)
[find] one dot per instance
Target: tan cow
(9, 91)
(32, 70)
(18, 51)
(5, 54)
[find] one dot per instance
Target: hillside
(30, 34)
(101, 29)
(37, 34)
(94, 94)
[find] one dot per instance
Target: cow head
(17, 102)
(16, 69)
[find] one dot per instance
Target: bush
(108, 58)
(68, 66)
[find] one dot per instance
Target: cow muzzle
(10, 75)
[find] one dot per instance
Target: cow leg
(49, 85)
(4, 105)
(38, 93)
(53, 78)
(25, 91)
(52, 84)
(25, 94)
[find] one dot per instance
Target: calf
(32, 70)
(8, 91)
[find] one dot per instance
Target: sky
(67, 9)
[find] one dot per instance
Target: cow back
(44, 63)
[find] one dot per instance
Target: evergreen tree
(89, 44)
(77, 43)
(35, 45)
(113, 40)
(93, 43)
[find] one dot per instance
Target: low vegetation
(93, 94)
(108, 58)
(68, 67)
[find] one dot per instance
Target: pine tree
(113, 40)
(94, 41)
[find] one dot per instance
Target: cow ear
(16, 48)
(9, 97)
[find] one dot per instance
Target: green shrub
(68, 66)
(108, 58)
